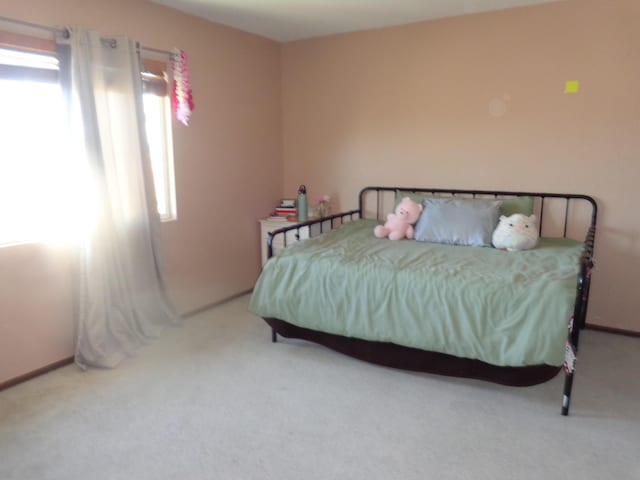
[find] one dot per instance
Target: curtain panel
(122, 301)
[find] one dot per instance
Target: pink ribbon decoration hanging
(182, 97)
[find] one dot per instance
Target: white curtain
(122, 299)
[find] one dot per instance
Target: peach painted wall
(228, 174)
(477, 102)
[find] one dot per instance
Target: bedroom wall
(478, 102)
(228, 174)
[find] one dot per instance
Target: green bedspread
(504, 308)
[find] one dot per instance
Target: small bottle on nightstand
(302, 203)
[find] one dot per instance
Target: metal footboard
(323, 224)
(334, 221)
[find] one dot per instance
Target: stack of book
(285, 212)
(287, 207)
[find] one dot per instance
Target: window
(36, 202)
(157, 111)
(40, 186)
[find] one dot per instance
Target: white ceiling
(286, 20)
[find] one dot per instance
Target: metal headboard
(541, 202)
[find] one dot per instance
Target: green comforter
(504, 308)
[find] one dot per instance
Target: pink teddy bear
(400, 224)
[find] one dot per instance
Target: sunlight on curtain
(122, 297)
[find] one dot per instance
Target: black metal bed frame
(578, 318)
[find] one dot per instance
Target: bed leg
(570, 357)
(274, 336)
(566, 397)
(576, 323)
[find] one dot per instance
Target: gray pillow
(458, 221)
(523, 205)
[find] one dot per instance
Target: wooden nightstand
(271, 224)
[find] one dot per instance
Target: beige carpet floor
(215, 399)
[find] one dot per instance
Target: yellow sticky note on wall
(571, 86)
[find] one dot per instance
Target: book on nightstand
(286, 211)
(277, 218)
(288, 203)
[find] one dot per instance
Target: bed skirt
(407, 358)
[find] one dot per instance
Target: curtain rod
(61, 31)
(65, 33)
(157, 50)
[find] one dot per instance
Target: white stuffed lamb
(516, 232)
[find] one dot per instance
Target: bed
(512, 318)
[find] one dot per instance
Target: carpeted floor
(215, 399)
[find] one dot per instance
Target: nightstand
(271, 224)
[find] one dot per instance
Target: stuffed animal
(400, 224)
(516, 232)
